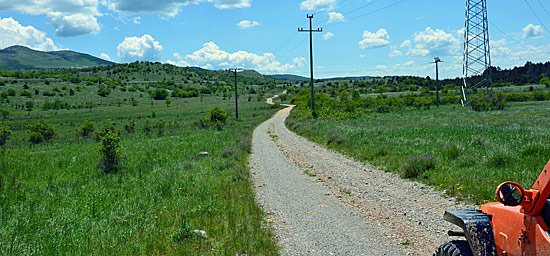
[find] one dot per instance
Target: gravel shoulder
(321, 202)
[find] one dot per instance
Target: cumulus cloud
(318, 5)
(328, 36)
(211, 56)
(13, 33)
(374, 40)
(226, 4)
(69, 18)
(395, 53)
(433, 42)
(73, 25)
(532, 31)
(105, 56)
(335, 17)
(139, 48)
(166, 8)
(246, 24)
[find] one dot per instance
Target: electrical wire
(504, 33)
(369, 13)
(544, 8)
(532, 10)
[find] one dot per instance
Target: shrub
(245, 145)
(147, 128)
(36, 137)
(130, 127)
(230, 152)
(41, 131)
(4, 134)
(160, 126)
(110, 153)
(217, 114)
(160, 94)
(86, 129)
(484, 102)
(415, 166)
(5, 113)
(106, 129)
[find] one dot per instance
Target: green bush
(41, 131)
(160, 94)
(86, 129)
(130, 127)
(491, 101)
(110, 161)
(4, 134)
(334, 139)
(417, 165)
(217, 114)
(160, 126)
(5, 113)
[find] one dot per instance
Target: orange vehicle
(516, 225)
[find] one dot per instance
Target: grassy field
(463, 152)
(54, 200)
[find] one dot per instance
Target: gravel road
(323, 203)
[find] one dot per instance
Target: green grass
(54, 200)
(472, 151)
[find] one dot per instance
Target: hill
(288, 77)
(18, 56)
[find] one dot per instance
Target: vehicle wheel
(454, 248)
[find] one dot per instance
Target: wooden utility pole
(311, 56)
(436, 61)
(236, 95)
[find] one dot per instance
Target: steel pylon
(476, 71)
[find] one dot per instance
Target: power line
(544, 8)
(369, 13)
(353, 10)
(533, 11)
(504, 33)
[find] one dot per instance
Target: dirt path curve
(323, 203)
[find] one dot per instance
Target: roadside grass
(54, 200)
(463, 152)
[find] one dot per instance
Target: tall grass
(472, 151)
(54, 200)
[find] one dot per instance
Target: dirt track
(323, 203)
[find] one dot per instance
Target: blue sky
(360, 37)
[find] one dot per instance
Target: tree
(40, 131)
(86, 129)
(160, 94)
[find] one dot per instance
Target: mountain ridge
(18, 56)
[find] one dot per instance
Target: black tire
(454, 248)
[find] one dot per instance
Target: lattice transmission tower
(476, 69)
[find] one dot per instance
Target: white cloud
(433, 42)
(406, 43)
(246, 24)
(409, 63)
(136, 20)
(381, 67)
(226, 4)
(299, 61)
(69, 18)
(210, 55)
(396, 53)
(374, 40)
(328, 36)
(13, 33)
(335, 17)
(318, 5)
(105, 56)
(166, 8)
(73, 25)
(139, 48)
(532, 31)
